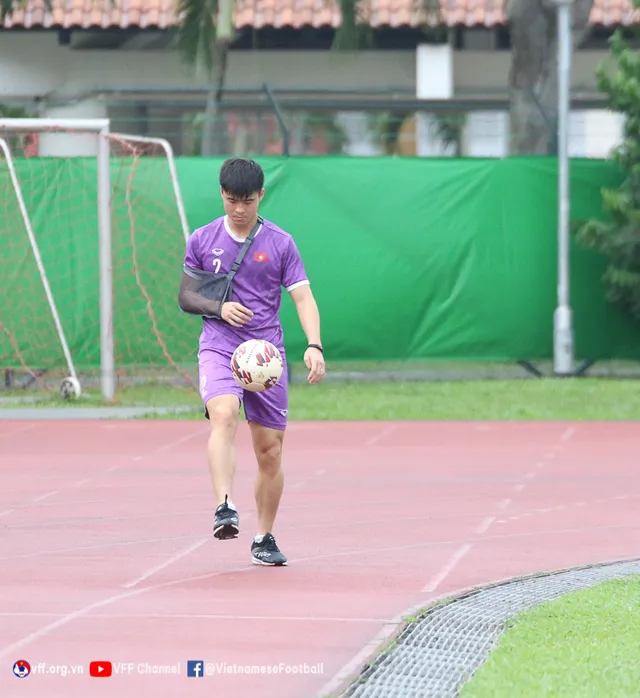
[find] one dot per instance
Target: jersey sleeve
(192, 256)
(293, 271)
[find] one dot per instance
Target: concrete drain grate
(435, 656)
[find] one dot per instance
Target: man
(272, 262)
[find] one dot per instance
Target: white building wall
(78, 144)
(34, 64)
(487, 134)
(604, 130)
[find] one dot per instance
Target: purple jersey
(271, 263)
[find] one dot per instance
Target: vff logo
(194, 668)
(22, 668)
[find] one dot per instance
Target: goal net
(93, 232)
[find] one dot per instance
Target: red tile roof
(281, 13)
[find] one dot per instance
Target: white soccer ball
(70, 388)
(257, 365)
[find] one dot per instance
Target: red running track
(106, 548)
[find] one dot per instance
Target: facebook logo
(194, 668)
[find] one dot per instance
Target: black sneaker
(267, 552)
(227, 522)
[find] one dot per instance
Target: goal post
(168, 150)
(100, 127)
(73, 375)
(100, 203)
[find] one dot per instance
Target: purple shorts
(268, 408)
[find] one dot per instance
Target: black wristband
(315, 346)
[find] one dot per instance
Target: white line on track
(158, 568)
(451, 564)
(380, 435)
(203, 616)
(99, 546)
(42, 497)
(482, 528)
(47, 630)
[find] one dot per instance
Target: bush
(619, 238)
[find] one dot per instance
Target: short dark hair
(241, 178)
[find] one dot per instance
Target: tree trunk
(214, 141)
(533, 79)
(207, 143)
(213, 129)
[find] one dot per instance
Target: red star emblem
(260, 257)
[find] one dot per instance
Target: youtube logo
(100, 669)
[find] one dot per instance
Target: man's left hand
(314, 361)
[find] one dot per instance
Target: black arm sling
(219, 287)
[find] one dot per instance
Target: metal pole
(107, 360)
(563, 330)
(4, 147)
(90, 125)
(283, 128)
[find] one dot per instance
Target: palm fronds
(355, 32)
(196, 31)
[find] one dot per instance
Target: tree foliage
(196, 32)
(6, 7)
(618, 239)
(354, 31)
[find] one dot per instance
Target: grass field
(584, 644)
(530, 399)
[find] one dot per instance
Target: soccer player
(271, 263)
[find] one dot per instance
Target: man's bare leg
(221, 452)
(267, 445)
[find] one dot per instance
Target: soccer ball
(256, 365)
(70, 388)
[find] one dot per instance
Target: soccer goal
(93, 231)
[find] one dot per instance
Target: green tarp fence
(409, 258)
